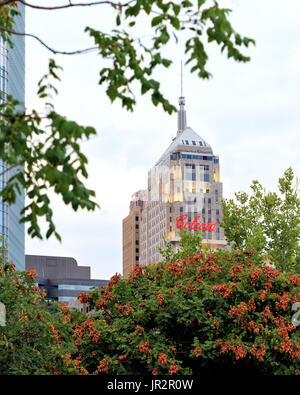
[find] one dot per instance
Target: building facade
(184, 191)
(131, 233)
(12, 81)
(61, 277)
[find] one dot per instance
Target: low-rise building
(61, 277)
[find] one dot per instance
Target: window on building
(204, 177)
(200, 142)
(217, 211)
(190, 165)
(136, 218)
(186, 142)
(136, 242)
(194, 142)
(137, 250)
(136, 226)
(170, 209)
(136, 258)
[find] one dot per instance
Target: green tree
(36, 337)
(55, 161)
(267, 222)
(205, 313)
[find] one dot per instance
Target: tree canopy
(267, 221)
(193, 313)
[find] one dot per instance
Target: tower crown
(181, 126)
(181, 123)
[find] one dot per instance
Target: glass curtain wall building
(12, 81)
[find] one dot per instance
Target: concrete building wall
(131, 227)
(56, 267)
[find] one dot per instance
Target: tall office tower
(184, 191)
(12, 81)
(131, 233)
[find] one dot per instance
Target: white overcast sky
(248, 113)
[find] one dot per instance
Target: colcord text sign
(181, 224)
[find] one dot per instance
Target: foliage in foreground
(204, 312)
(37, 337)
(194, 313)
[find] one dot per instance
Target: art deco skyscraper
(12, 81)
(184, 190)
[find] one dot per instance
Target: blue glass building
(12, 81)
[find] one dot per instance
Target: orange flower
(31, 273)
(84, 297)
(103, 366)
(216, 324)
(198, 351)
(160, 299)
(144, 347)
(140, 330)
(162, 359)
(173, 349)
(173, 368)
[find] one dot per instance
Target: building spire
(181, 124)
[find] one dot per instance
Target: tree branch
(29, 116)
(54, 51)
(11, 167)
(69, 5)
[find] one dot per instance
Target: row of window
(72, 287)
(193, 166)
(194, 143)
(200, 157)
(192, 177)
(203, 210)
(191, 156)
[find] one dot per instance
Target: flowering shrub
(195, 313)
(33, 340)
